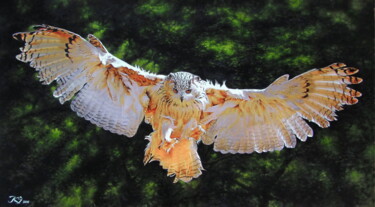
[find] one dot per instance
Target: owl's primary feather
(244, 121)
(181, 108)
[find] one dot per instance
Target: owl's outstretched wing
(244, 121)
(111, 92)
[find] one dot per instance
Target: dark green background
(53, 158)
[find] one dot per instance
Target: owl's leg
(182, 161)
(167, 129)
(188, 128)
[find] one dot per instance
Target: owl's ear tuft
(169, 77)
(196, 79)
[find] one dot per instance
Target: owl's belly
(185, 121)
(181, 120)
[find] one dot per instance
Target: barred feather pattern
(111, 93)
(182, 161)
(182, 108)
(244, 121)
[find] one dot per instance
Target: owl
(182, 108)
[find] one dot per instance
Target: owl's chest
(183, 119)
(179, 114)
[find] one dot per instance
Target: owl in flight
(181, 108)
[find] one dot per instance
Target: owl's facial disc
(183, 88)
(183, 94)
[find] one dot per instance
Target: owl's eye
(175, 90)
(188, 91)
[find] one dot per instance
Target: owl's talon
(167, 145)
(172, 145)
(201, 129)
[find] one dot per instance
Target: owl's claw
(167, 145)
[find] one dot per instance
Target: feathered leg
(181, 161)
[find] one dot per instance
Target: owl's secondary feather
(182, 108)
(244, 121)
(110, 91)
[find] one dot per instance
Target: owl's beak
(181, 98)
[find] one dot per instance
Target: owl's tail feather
(181, 161)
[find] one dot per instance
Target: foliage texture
(53, 158)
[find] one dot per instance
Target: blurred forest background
(51, 157)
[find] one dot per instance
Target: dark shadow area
(51, 157)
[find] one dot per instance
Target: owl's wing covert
(111, 92)
(244, 121)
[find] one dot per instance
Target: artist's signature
(17, 200)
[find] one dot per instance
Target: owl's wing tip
(41, 26)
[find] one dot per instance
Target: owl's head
(182, 87)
